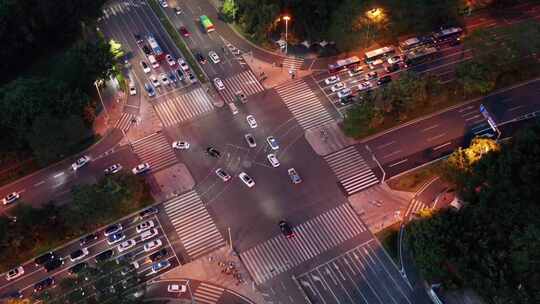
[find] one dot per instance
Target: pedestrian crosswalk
(244, 82)
(293, 63)
(193, 223)
(351, 170)
(124, 122)
(313, 237)
(415, 206)
(179, 108)
(207, 294)
(304, 104)
(155, 150)
(120, 7)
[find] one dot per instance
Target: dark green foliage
(493, 244)
(93, 206)
(30, 27)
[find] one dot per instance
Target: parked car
(104, 256)
(126, 245)
(148, 212)
(146, 225)
(44, 284)
(112, 229)
(158, 255)
(331, 80)
(170, 60)
(337, 87)
(88, 239)
(79, 254)
(157, 267)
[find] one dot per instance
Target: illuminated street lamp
(286, 18)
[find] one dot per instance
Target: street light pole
(101, 99)
(230, 237)
(286, 18)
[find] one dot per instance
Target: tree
(474, 77)
(362, 118)
(407, 93)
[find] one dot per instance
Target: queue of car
(116, 239)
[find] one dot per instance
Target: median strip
(178, 41)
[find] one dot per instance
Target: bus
(448, 34)
(207, 24)
(379, 53)
(414, 42)
(420, 55)
(156, 49)
(343, 64)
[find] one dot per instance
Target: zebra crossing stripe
(304, 104)
(317, 235)
(351, 170)
(193, 224)
(155, 150)
(206, 293)
(292, 63)
(246, 82)
(183, 107)
(124, 122)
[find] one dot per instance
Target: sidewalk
(208, 269)
(114, 100)
(328, 139)
(380, 206)
(275, 75)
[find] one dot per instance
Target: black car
(44, 258)
(138, 38)
(180, 74)
(125, 258)
(112, 229)
(384, 80)
(53, 264)
(286, 229)
(213, 152)
(104, 256)
(392, 67)
(148, 212)
(13, 295)
(78, 268)
(191, 77)
(146, 50)
(346, 100)
(88, 239)
(44, 284)
(200, 58)
(158, 255)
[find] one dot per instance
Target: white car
(344, 93)
(337, 87)
(273, 160)
(394, 59)
(366, 85)
(155, 81)
(144, 226)
(149, 234)
(141, 168)
(152, 245)
(14, 273)
(164, 78)
(164, 3)
(272, 141)
(223, 175)
(126, 245)
(183, 64)
(250, 140)
(251, 121)
(331, 80)
(246, 179)
(176, 288)
(219, 84)
(79, 254)
(170, 60)
(145, 67)
(376, 63)
(214, 57)
(10, 198)
(356, 70)
(113, 169)
(83, 160)
(180, 145)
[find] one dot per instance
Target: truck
(207, 24)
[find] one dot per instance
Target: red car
(183, 30)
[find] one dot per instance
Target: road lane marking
(436, 137)
(386, 144)
(58, 175)
(392, 154)
(441, 146)
(39, 183)
(516, 107)
(398, 163)
(430, 128)
(472, 117)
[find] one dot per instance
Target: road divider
(178, 41)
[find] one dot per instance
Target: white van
(153, 61)
(233, 108)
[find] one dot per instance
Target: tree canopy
(493, 243)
